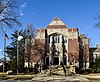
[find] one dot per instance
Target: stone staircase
(59, 70)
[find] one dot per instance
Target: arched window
(64, 39)
(48, 40)
(56, 39)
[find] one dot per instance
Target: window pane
(65, 40)
(48, 40)
(62, 39)
(58, 38)
(55, 39)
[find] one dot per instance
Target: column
(50, 52)
(67, 51)
(61, 48)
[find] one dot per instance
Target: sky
(74, 13)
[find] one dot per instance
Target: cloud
(24, 5)
(0, 50)
(21, 14)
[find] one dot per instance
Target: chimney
(82, 36)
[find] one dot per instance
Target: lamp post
(17, 53)
(18, 39)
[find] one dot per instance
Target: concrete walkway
(46, 78)
(95, 76)
(56, 78)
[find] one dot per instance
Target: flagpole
(4, 64)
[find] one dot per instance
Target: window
(48, 39)
(52, 39)
(64, 60)
(47, 61)
(56, 39)
(64, 39)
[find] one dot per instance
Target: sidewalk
(56, 78)
(45, 78)
(95, 76)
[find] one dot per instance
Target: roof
(56, 23)
(95, 49)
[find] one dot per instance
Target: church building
(62, 44)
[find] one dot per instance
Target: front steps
(61, 70)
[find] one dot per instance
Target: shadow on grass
(7, 77)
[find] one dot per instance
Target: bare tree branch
(97, 24)
(8, 16)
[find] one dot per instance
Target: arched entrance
(57, 49)
(55, 60)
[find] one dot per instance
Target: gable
(56, 23)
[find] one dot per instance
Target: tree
(29, 34)
(39, 50)
(97, 24)
(8, 15)
(96, 65)
(29, 31)
(83, 51)
(11, 51)
(1, 62)
(37, 54)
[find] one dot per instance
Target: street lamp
(18, 39)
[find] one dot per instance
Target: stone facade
(84, 51)
(94, 53)
(61, 43)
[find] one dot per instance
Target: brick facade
(61, 44)
(73, 49)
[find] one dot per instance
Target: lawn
(4, 76)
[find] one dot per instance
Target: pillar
(61, 51)
(50, 52)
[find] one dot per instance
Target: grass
(94, 79)
(15, 77)
(2, 73)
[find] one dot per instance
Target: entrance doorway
(56, 61)
(64, 60)
(47, 60)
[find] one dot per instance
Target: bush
(86, 71)
(97, 70)
(96, 66)
(1, 68)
